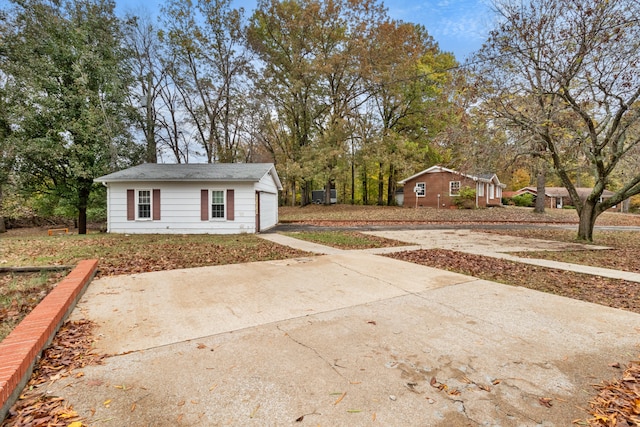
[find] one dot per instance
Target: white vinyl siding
(268, 202)
(181, 208)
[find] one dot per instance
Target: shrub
(523, 200)
(466, 199)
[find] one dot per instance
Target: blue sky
(459, 26)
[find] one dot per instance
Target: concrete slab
(342, 340)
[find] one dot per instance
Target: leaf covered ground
(600, 290)
(129, 254)
(346, 239)
(360, 215)
(19, 293)
(70, 351)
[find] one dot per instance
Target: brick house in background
(558, 197)
(437, 187)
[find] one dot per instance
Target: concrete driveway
(346, 339)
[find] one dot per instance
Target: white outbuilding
(218, 198)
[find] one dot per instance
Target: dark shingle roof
(251, 172)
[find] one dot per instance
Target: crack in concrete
(331, 365)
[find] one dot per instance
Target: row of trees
(335, 92)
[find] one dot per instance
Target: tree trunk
(151, 148)
(381, 185)
(305, 194)
(365, 187)
(3, 228)
(327, 192)
(540, 189)
(588, 217)
(353, 182)
(83, 201)
(391, 186)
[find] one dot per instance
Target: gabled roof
(239, 172)
(485, 177)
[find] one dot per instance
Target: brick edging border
(20, 350)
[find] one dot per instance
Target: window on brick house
(454, 188)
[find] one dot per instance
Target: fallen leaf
(201, 346)
(340, 398)
(181, 403)
(484, 387)
(68, 414)
(133, 406)
(300, 418)
(546, 402)
(253, 413)
(107, 402)
(75, 424)
(372, 322)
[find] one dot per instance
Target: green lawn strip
(346, 239)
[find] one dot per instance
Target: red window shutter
(156, 204)
(230, 205)
(204, 205)
(131, 205)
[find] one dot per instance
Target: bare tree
(577, 63)
(206, 39)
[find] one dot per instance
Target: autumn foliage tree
(68, 124)
(577, 64)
